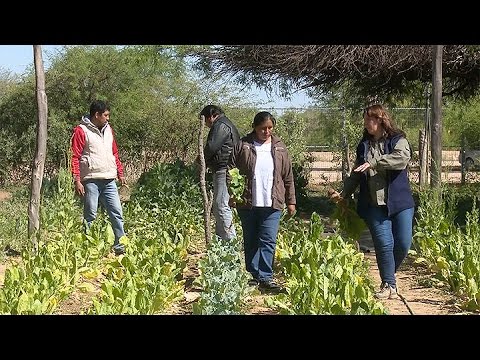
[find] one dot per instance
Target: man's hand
(79, 189)
(122, 181)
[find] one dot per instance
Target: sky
(16, 58)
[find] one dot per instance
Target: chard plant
(450, 252)
(236, 186)
(324, 274)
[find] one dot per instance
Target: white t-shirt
(263, 178)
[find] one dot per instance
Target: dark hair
(211, 110)
(379, 112)
(261, 117)
(98, 106)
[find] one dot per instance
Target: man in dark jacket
(222, 137)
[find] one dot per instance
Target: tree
(368, 70)
(154, 99)
(362, 71)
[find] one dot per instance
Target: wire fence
(330, 131)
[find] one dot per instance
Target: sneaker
(253, 282)
(387, 292)
(270, 286)
(119, 249)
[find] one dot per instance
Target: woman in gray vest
(385, 200)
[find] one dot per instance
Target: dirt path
(415, 285)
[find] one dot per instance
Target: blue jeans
(105, 191)
(392, 238)
(260, 228)
(224, 227)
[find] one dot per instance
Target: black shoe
(119, 249)
(270, 286)
(253, 282)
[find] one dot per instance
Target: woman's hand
(291, 209)
(334, 196)
(362, 168)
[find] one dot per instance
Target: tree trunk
(436, 166)
(207, 201)
(41, 147)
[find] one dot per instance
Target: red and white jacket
(95, 152)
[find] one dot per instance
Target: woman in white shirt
(264, 161)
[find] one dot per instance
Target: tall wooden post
(207, 201)
(41, 147)
(346, 168)
(436, 166)
(423, 158)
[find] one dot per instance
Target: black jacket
(223, 135)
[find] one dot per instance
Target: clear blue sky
(16, 58)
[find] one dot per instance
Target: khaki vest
(97, 160)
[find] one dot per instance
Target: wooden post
(41, 147)
(462, 159)
(423, 158)
(436, 166)
(346, 168)
(207, 201)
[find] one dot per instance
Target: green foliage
(146, 280)
(350, 224)
(462, 119)
(43, 278)
(13, 223)
(236, 186)
(291, 127)
(222, 278)
(170, 186)
(452, 253)
(154, 97)
(325, 275)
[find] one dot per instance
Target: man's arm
(120, 175)
(215, 140)
(78, 143)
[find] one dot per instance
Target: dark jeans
(260, 228)
(392, 238)
(106, 192)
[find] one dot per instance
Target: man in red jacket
(96, 166)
